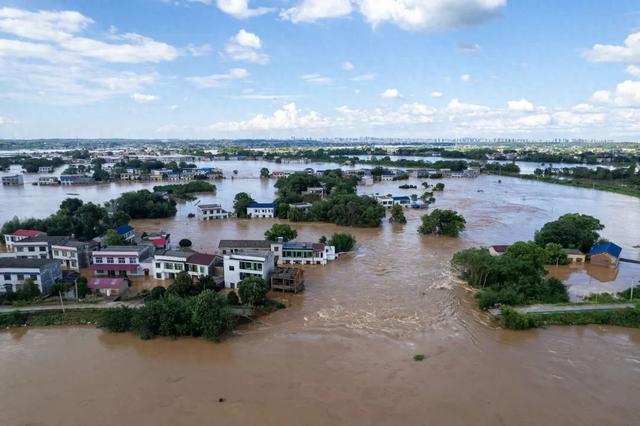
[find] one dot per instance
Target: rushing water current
(342, 352)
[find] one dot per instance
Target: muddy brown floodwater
(342, 352)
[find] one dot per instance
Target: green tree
(81, 287)
(112, 238)
(442, 222)
(397, 214)
(253, 291)
(240, 203)
(571, 230)
(29, 290)
(280, 230)
(264, 173)
(157, 292)
(323, 240)
(439, 187)
(182, 286)
(185, 243)
(210, 315)
(117, 320)
(232, 298)
(206, 282)
(342, 241)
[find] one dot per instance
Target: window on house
(132, 260)
(158, 265)
(43, 249)
(7, 277)
(98, 260)
(121, 260)
(20, 277)
(110, 260)
(32, 249)
(33, 276)
(232, 268)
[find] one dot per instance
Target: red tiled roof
(28, 233)
(201, 259)
(113, 267)
(160, 241)
(97, 283)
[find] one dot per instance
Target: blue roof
(402, 197)
(255, 205)
(613, 249)
(124, 229)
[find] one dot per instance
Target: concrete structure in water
(261, 210)
(13, 180)
(605, 254)
(211, 212)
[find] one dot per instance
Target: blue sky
(319, 68)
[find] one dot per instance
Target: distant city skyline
(225, 69)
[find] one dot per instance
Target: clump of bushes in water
(342, 241)
(518, 277)
(184, 191)
(206, 314)
(407, 186)
(514, 320)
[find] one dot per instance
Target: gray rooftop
(245, 244)
(11, 262)
(44, 239)
(137, 249)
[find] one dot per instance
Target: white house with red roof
(20, 235)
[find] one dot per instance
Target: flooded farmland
(342, 352)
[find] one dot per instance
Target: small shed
(108, 286)
(575, 256)
(288, 279)
(605, 254)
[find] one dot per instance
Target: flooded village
(342, 348)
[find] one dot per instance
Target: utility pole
(61, 302)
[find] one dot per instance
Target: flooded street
(342, 352)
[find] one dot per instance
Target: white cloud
(142, 98)
(469, 47)
(246, 39)
(521, 105)
(634, 70)
(407, 14)
(626, 94)
(245, 46)
(219, 80)
(535, 120)
(601, 96)
(57, 32)
(316, 79)
(436, 94)
(465, 77)
(348, 66)
(456, 107)
(390, 94)
(287, 117)
(628, 53)
(240, 8)
(313, 10)
(201, 50)
(363, 77)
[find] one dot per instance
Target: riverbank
(587, 184)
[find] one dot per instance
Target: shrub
(342, 241)
(116, 320)
(253, 291)
(232, 298)
(157, 293)
(514, 320)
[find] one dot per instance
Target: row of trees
(89, 220)
(186, 309)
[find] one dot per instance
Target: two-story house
(243, 264)
(211, 211)
(123, 260)
(38, 247)
(20, 235)
(261, 210)
(14, 271)
(74, 255)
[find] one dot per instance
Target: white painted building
(13, 273)
(211, 212)
(240, 265)
(261, 210)
(300, 253)
(19, 235)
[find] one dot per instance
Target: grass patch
(514, 320)
(419, 357)
(48, 318)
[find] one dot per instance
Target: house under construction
(288, 279)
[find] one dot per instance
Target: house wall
(234, 273)
(604, 259)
